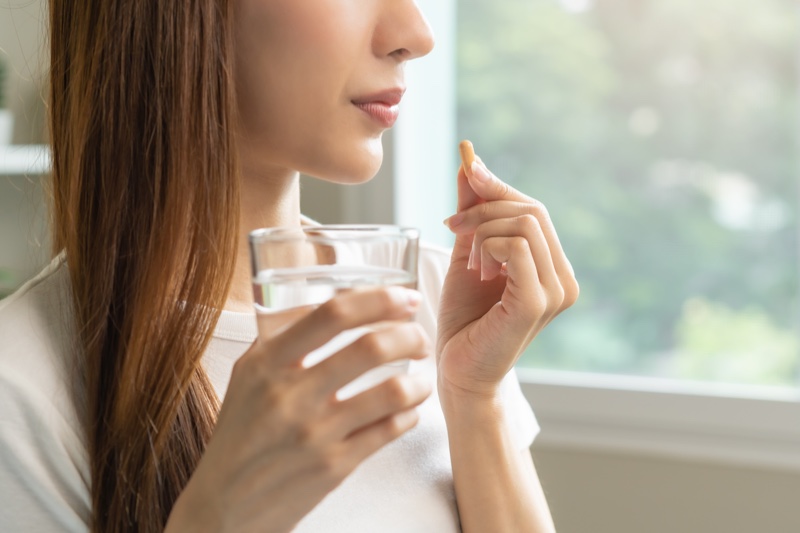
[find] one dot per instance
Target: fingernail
(481, 173)
(410, 297)
(455, 220)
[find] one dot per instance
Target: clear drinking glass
(296, 269)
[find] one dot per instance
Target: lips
(381, 107)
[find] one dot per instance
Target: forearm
(496, 485)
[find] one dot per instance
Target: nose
(402, 32)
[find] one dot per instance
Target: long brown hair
(145, 209)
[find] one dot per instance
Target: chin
(361, 166)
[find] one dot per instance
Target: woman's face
(318, 81)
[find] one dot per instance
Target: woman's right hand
(283, 440)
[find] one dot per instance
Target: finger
(528, 306)
(349, 310)
(467, 221)
(393, 396)
(524, 297)
(526, 226)
(369, 440)
(467, 196)
(404, 341)
(489, 187)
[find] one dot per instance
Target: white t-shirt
(406, 487)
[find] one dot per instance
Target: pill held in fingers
(467, 152)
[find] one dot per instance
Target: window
(662, 136)
(608, 188)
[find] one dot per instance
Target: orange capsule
(467, 154)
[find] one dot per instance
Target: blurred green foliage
(662, 136)
(739, 346)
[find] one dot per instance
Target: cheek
(292, 58)
(294, 62)
(287, 41)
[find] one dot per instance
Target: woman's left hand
(508, 278)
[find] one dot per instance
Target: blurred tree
(720, 344)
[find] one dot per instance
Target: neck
(270, 198)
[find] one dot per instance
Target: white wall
(23, 46)
(598, 492)
(23, 246)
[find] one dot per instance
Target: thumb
(467, 197)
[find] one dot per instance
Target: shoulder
(43, 462)
(35, 330)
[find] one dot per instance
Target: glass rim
(370, 232)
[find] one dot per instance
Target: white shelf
(24, 159)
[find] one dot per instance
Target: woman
(133, 393)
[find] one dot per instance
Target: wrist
(191, 513)
(458, 402)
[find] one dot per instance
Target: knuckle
(420, 336)
(519, 245)
(333, 465)
(538, 209)
(335, 311)
(571, 292)
(505, 188)
(537, 308)
(556, 302)
(278, 404)
(304, 434)
(273, 399)
(480, 233)
(371, 345)
(394, 427)
(385, 300)
(400, 423)
(529, 221)
(396, 392)
(485, 210)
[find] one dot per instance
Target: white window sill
(738, 425)
(21, 159)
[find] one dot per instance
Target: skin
(299, 65)
(508, 278)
